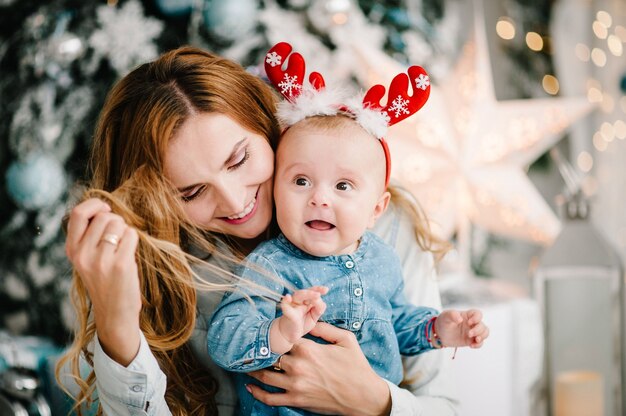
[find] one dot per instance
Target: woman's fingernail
(248, 388)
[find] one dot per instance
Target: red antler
(289, 82)
(399, 104)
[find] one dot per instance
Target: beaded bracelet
(435, 341)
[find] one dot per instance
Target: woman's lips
(246, 217)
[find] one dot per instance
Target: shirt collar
(358, 254)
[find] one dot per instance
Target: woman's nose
(230, 199)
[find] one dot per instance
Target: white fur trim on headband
(372, 120)
(327, 102)
(309, 103)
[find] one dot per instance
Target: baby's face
(328, 188)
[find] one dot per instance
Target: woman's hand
(461, 328)
(109, 273)
(335, 378)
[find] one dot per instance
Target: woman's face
(223, 174)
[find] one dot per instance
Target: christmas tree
(59, 58)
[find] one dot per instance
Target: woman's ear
(380, 208)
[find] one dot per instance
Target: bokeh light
(505, 28)
(585, 161)
(534, 41)
(550, 84)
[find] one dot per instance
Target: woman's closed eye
(193, 193)
(241, 159)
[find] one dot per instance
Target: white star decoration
(464, 154)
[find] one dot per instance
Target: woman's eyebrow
(230, 160)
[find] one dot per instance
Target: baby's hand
(301, 311)
(461, 328)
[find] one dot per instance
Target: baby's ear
(380, 208)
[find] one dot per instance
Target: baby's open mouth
(320, 225)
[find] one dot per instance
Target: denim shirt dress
(365, 296)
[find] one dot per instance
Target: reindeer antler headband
(304, 101)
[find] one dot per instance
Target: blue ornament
(396, 41)
(36, 182)
(175, 8)
(399, 17)
(622, 84)
(230, 20)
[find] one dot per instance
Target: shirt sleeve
(239, 333)
(138, 389)
(429, 387)
(409, 320)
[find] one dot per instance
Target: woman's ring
(277, 365)
(111, 239)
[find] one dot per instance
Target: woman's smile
(245, 215)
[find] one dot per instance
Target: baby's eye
(302, 182)
(344, 186)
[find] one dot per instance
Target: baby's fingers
(479, 330)
(317, 309)
(286, 303)
(451, 316)
(474, 316)
(316, 313)
(304, 297)
(322, 290)
(479, 335)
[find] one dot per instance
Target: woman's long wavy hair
(142, 113)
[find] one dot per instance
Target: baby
(329, 188)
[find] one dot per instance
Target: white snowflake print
(125, 37)
(399, 106)
(273, 59)
(289, 85)
(422, 82)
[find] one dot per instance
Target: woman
(185, 146)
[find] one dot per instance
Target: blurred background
(519, 159)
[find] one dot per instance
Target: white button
(356, 325)
(349, 264)
(136, 388)
(358, 291)
(264, 351)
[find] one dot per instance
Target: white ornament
(125, 37)
(40, 272)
